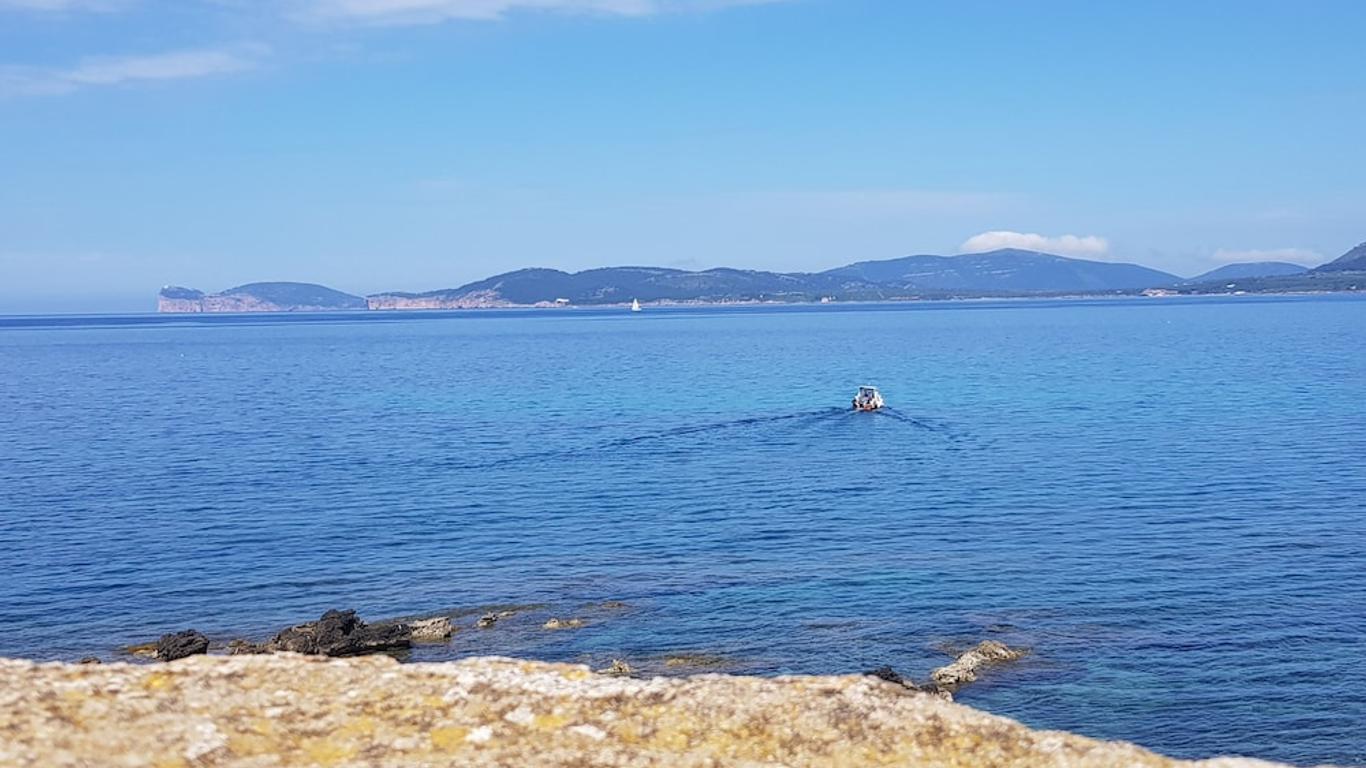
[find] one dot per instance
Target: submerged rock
(178, 645)
(341, 633)
(493, 617)
(89, 660)
(255, 711)
(699, 660)
(563, 624)
(240, 647)
(618, 668)
(964, 668)
(144, 650)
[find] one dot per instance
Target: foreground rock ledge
(291, 710)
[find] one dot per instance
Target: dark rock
(885, 672)
(89, 660)
(181, 644)
(342, 633)
(493, 617)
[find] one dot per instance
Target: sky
(376, 145)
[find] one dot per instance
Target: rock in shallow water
(696, 661)
(179, 645)
(240, 647)
(890, 675)
(341, 633)
(437, 629)
(289, 710)
(489, 619)
(618, 668)
(964, 668)
(563, 624)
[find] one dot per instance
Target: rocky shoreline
(288, 709)
(342, 633)
(332, 692)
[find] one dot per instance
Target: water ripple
(1163, 500)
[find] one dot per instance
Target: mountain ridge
(1005, 269)
(1351, 261)
(991, 274)
(1250, 269)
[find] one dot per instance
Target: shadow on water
(802, 418)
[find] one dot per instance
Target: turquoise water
(1164, 499)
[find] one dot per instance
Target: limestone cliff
(438, 300)
(176, 299)
(291, 710)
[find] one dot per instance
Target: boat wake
(802, 419)
(926, 424)
(752, 421)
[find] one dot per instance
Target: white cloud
(1063, 245)
(104, 71)
(434, 11)
(174, 65)
(1302, 256)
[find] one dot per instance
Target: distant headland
(258, 297)
(995, 274)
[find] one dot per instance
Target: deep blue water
(1164, 499)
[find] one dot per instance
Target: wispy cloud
(435, 11)
(877, 202)
(1063, 245)
(61, 260)
(56, 6)
(108, 71)
(1302, 256)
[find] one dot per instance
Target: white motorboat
(868, 399)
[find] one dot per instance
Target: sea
(1164, 499)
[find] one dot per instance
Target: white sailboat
(635, 305)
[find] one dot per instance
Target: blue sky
(418, 144)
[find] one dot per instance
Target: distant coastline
(1001, 274)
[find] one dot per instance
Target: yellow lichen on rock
(286, 710)
(449, 738)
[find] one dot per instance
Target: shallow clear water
(1164, 499)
